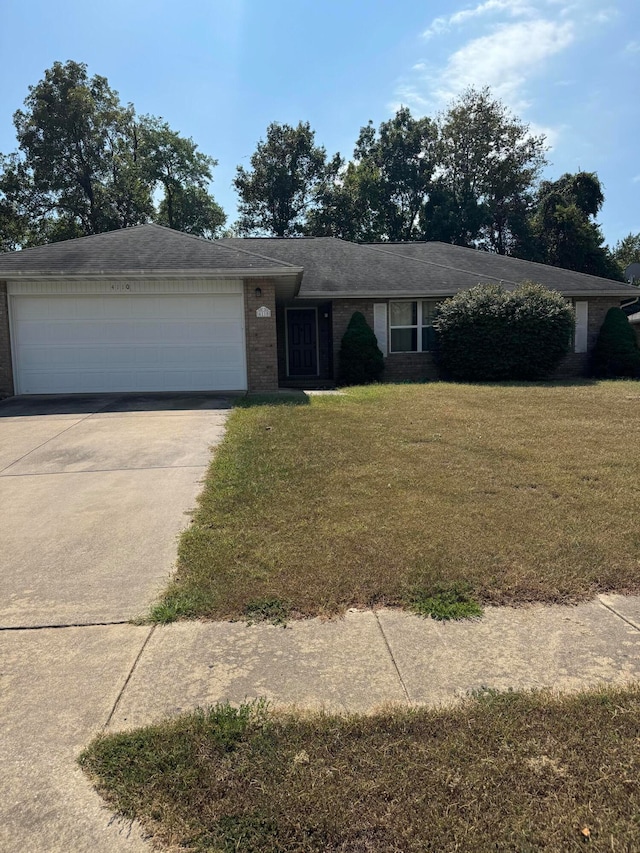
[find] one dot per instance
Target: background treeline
(471, 176)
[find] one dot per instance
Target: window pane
(428, 338)
(428, 310)
(403, 313)
(404, 340)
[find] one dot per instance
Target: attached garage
(143, 309)
(128, 336)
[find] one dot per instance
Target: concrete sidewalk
(68, 684)
(369, 659)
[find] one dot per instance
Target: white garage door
(93, 343)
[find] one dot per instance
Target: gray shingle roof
(487, 266)
(143, 248)
(335, 267)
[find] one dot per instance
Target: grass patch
(516, 492)
(501, 772)
(454, 602)
(268, 610)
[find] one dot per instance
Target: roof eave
(422, 294)
(288, 271)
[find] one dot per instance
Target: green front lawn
(392, 494)
(502, 772)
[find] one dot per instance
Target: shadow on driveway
(86, 404)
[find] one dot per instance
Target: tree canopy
(86, 163)
(564, 228)
(287, 169)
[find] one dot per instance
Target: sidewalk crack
(619, 615)
(393, 660)
(128, 679)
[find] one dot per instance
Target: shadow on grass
(273, 398)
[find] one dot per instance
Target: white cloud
(632, 48)
(443, 24)
(503, 44)
(635, 180)
(504, 59)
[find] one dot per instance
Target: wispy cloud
(504, 59)
(443, 24)
(503, 44)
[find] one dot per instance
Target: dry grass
(503, 772)
(387, 493)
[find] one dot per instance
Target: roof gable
(142, 249)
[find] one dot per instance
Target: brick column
(261, 335)
(6, 369)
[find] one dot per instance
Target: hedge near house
(616, 353)
(361, 361)
(489, 334)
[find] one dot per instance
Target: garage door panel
(113, 343)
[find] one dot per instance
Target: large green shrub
(616, 351)
(361, 361)
(488, 333)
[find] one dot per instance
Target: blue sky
(221, 71)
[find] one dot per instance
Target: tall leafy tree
(489, 164)
(281, 187)
(564, 227)
(173, 162)
(627, 251)
(81, 167)
(397, 165)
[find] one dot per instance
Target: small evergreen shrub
(616, 352)
(491, 334)
(361, 361)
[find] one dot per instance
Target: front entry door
(302, 342)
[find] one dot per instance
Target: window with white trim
(410, 325)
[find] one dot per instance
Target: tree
(361, 360)
(627, 252)
(193, 210)
(489, 164)
(616, 351)
(174, 163)
(287, 170)
(386, 187)
(564, 227)
(85, 164)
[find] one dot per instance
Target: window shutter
(582, 326)
(380, 325)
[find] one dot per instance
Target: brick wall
(418, 366)
(409, 367)
(577, 363)
(262, 345)
(6, 370)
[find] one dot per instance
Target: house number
(120, 287)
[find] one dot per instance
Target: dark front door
(302, 342)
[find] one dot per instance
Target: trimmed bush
(361, 361)
(616, 351)
(489, 334)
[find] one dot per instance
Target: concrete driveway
(93, 492)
